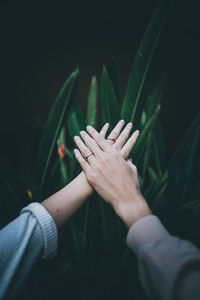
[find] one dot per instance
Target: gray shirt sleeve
(169, 268)
(22, 242)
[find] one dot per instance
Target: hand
(112, 177)
(116, 139)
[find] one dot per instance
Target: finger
(115, 132)
(104, 129)
(83, 163)
(83, 149)
(127, 148)
(91, 144)
(99, 139)
(123, 137)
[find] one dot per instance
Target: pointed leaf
(52, 128)
(110, 105)
(183, 174)
(75, 120)
(154, 99)
(183, 146)
(92, 103)
(141, 142)
(191, 170)
(142, 64)
(114, 78)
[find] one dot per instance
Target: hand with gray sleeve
(169, 268)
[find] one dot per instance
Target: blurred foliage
(93, 261)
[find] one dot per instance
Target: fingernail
(82, 132)
(75, 137)
(89, 127)
(122, 121)
(138, 132)
(130, 125)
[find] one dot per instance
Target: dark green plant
(92, 243)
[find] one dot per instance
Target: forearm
(63, 204)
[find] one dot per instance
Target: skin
(63, 204)
(114, 178)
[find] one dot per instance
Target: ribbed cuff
(145, 231)
(47, 226)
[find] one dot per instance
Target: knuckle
(84, 153)
(92, 130)
(135, 168)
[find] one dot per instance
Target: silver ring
(86, 158)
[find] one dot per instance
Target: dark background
(42, 43)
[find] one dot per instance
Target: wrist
(87, 189)
(132, 210)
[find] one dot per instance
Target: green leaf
(141, 142)
(52, 128)
(146, 155)
(62, 136)
(152, 174)
(92, 103)
(110, 105)
(149, 191)
(191, 170)
(78, 247)
(158, 150)
(143, 118)
(75, 120)
(142, 63)
(183, 179)
(158, 200)
(62, 161)
(53, 181)
(188, 221)
(183, 146)
(154, 99)
(114, 78)
(158, 145)
(182, 168)
(76, 123)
